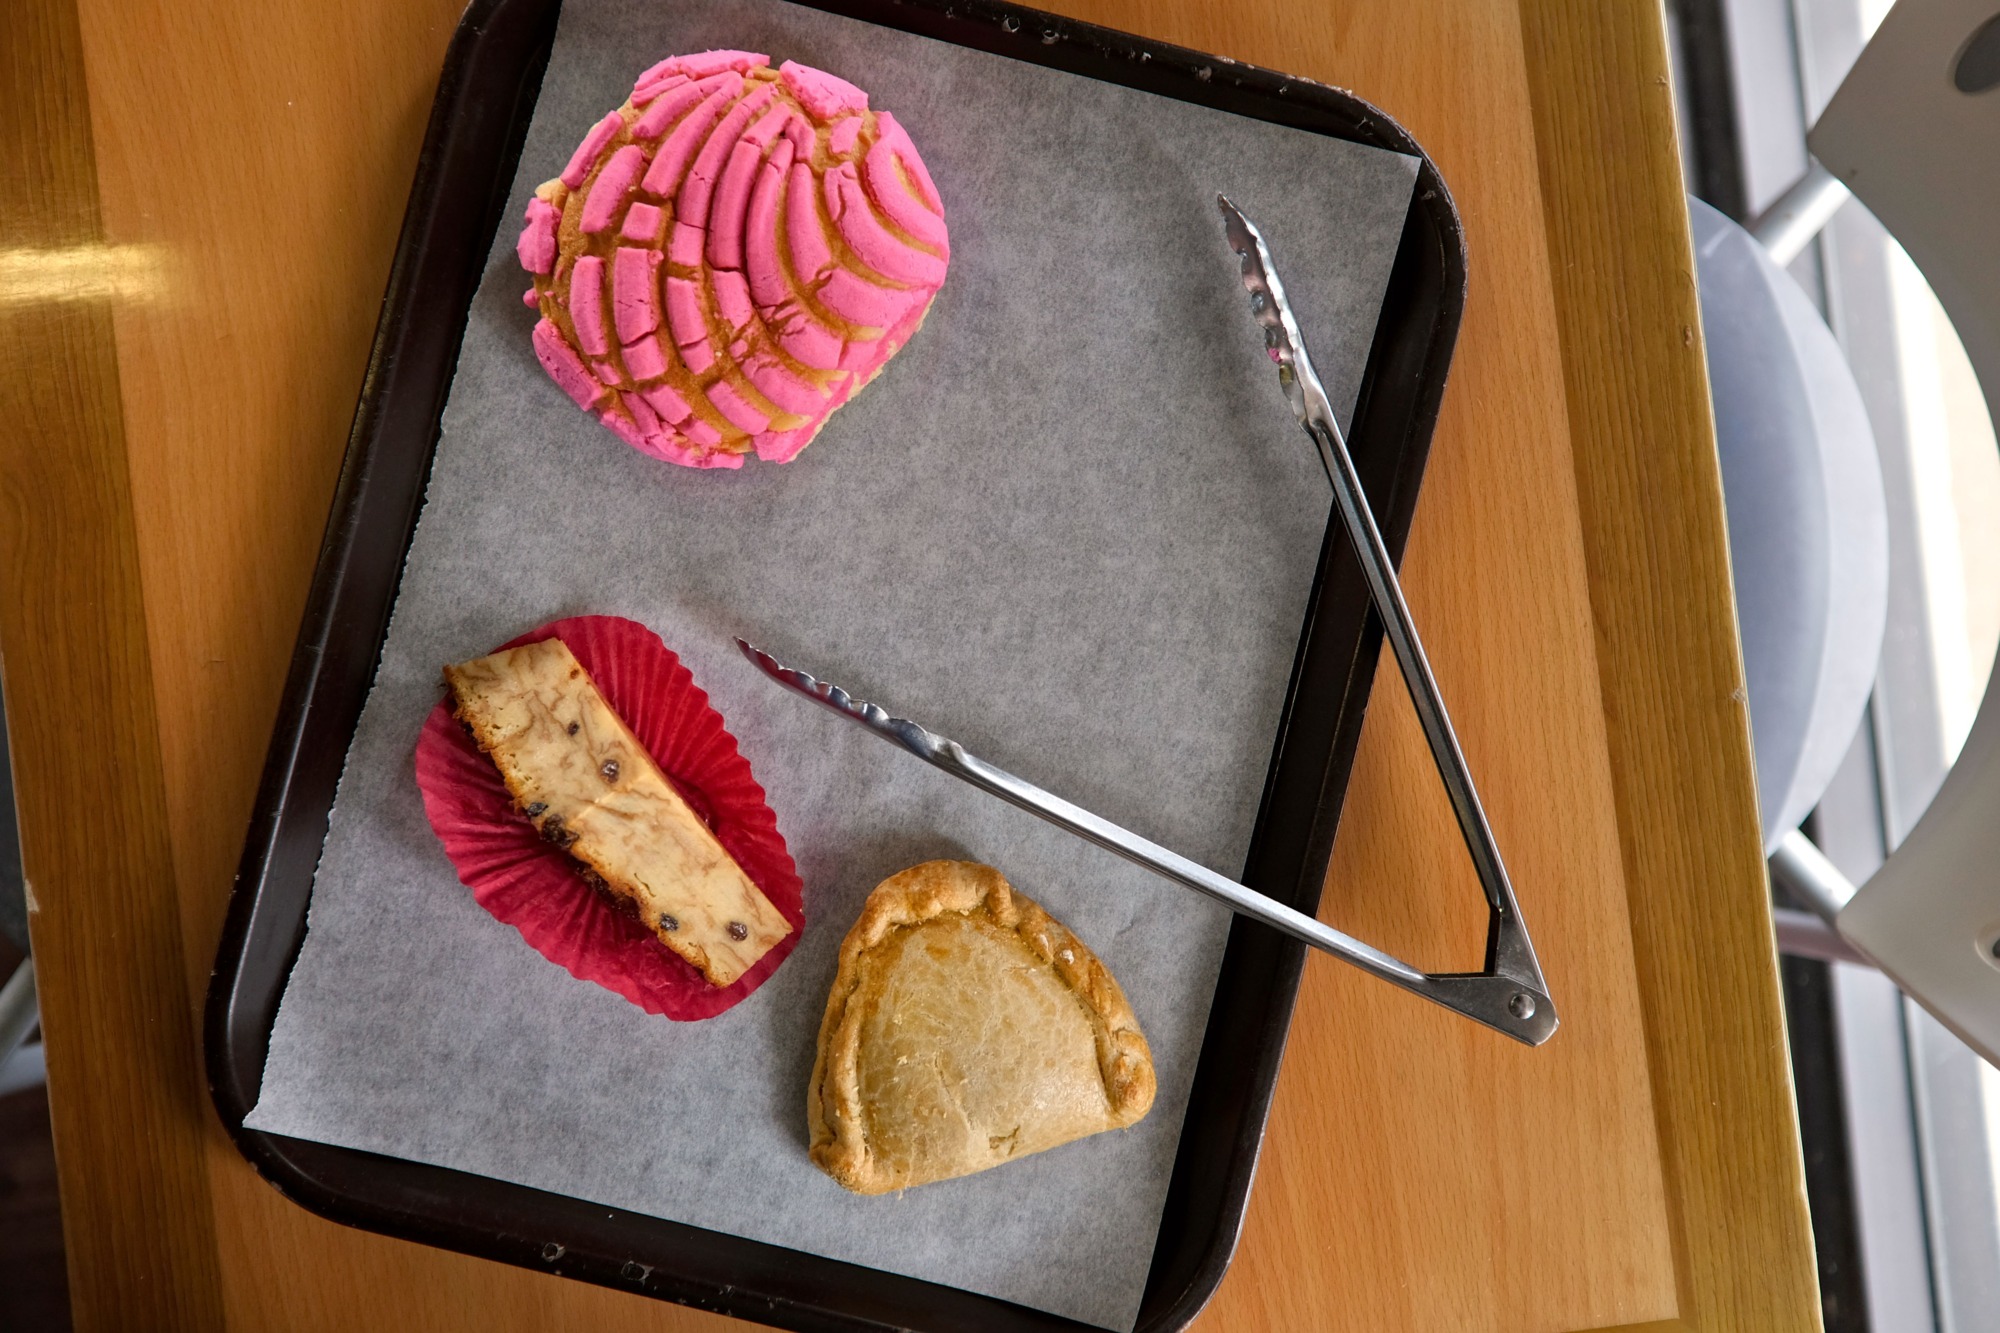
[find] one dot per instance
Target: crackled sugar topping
(729, 256)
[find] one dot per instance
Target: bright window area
(1956, 468)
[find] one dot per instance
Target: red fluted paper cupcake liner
(536, 889)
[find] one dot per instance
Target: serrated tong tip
(1283, 342)
(912, 736)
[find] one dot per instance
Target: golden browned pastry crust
(966, 1027)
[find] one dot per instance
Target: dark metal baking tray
(491, 78)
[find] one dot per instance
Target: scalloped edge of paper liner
(529, 885)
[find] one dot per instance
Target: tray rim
(998, 28)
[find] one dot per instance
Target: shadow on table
(34, 1283)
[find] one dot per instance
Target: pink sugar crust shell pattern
(728, 258)
(526, 883)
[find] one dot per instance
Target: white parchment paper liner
(1072, 526)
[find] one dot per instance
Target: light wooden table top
(212, 198)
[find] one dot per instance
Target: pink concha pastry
(729, 256)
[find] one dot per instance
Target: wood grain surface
(241, 172)
(131, 1133)
(1646, 467)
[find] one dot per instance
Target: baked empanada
(966, 1027)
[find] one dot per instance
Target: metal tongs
(1509, 994)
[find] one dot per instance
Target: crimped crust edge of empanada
(910, 898)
